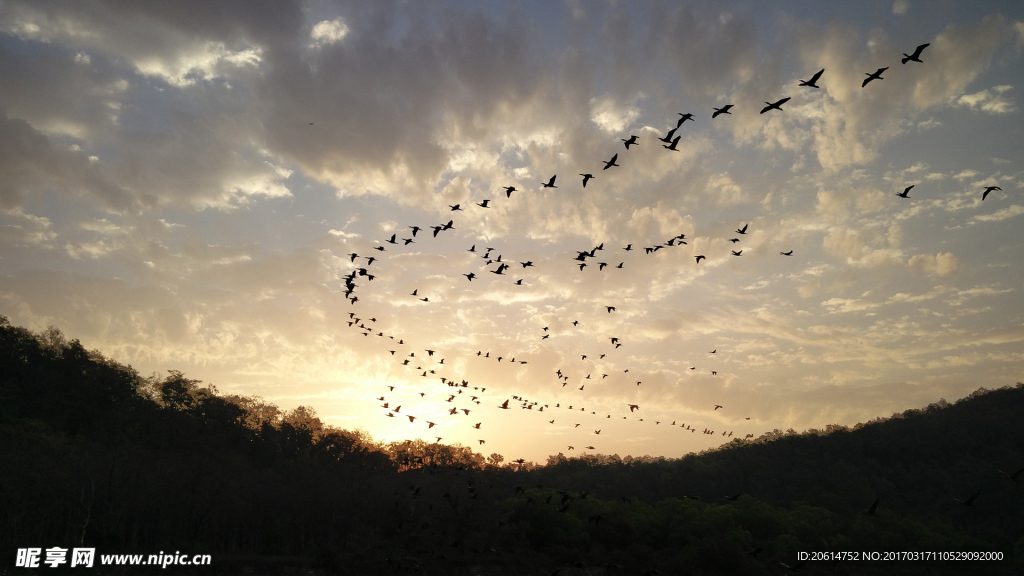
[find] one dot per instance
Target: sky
(182, 184)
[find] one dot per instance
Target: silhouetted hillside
(95, 455)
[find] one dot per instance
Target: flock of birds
(466, 399)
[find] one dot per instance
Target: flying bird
(877, 75)
(916, 56)
(735, 253)
(672, 146)
(551, 183)
(790, 253)
(455, 207)
(906, 191)
(723, 110)
(484, 203)
(969, 501)
(701, 257)
(632, 140)
(811, 83)
(611, 162)
(774, 105)
(585, 178)
(1012, 477)
(989, 189)
(509, 190)
(872, 510)
(668, 137)
(684, 118)
(742, 230)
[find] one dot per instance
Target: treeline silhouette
(94, 454)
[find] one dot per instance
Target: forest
(96, 455)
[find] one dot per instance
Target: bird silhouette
(632, 140)
(774, 105)
(876, 75)
(1012, 477)
(483, 204)
(811, 83)
(916, 56)
(471, 275)
(509, 190)
(989, 189)
(723, 110)
(742, 230)
(672, 146)
(611, 162)
(735, 253)
(585, 178)
(906, 192)
(700, 257)
(551, 183)
(969, 501)
(790, 253)
(684, 118)
(668, 137)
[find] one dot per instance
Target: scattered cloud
(992, 100)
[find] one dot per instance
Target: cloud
(1001, 214)
(957, 56)
(900, 7)
(29, 162)
(942, 264)
(328, 31)
(19, 228)
(854, 248)
(611, 116)
(991, 100)
(838, 305)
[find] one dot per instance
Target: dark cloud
(30, 162)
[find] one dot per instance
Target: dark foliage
(92, 454)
